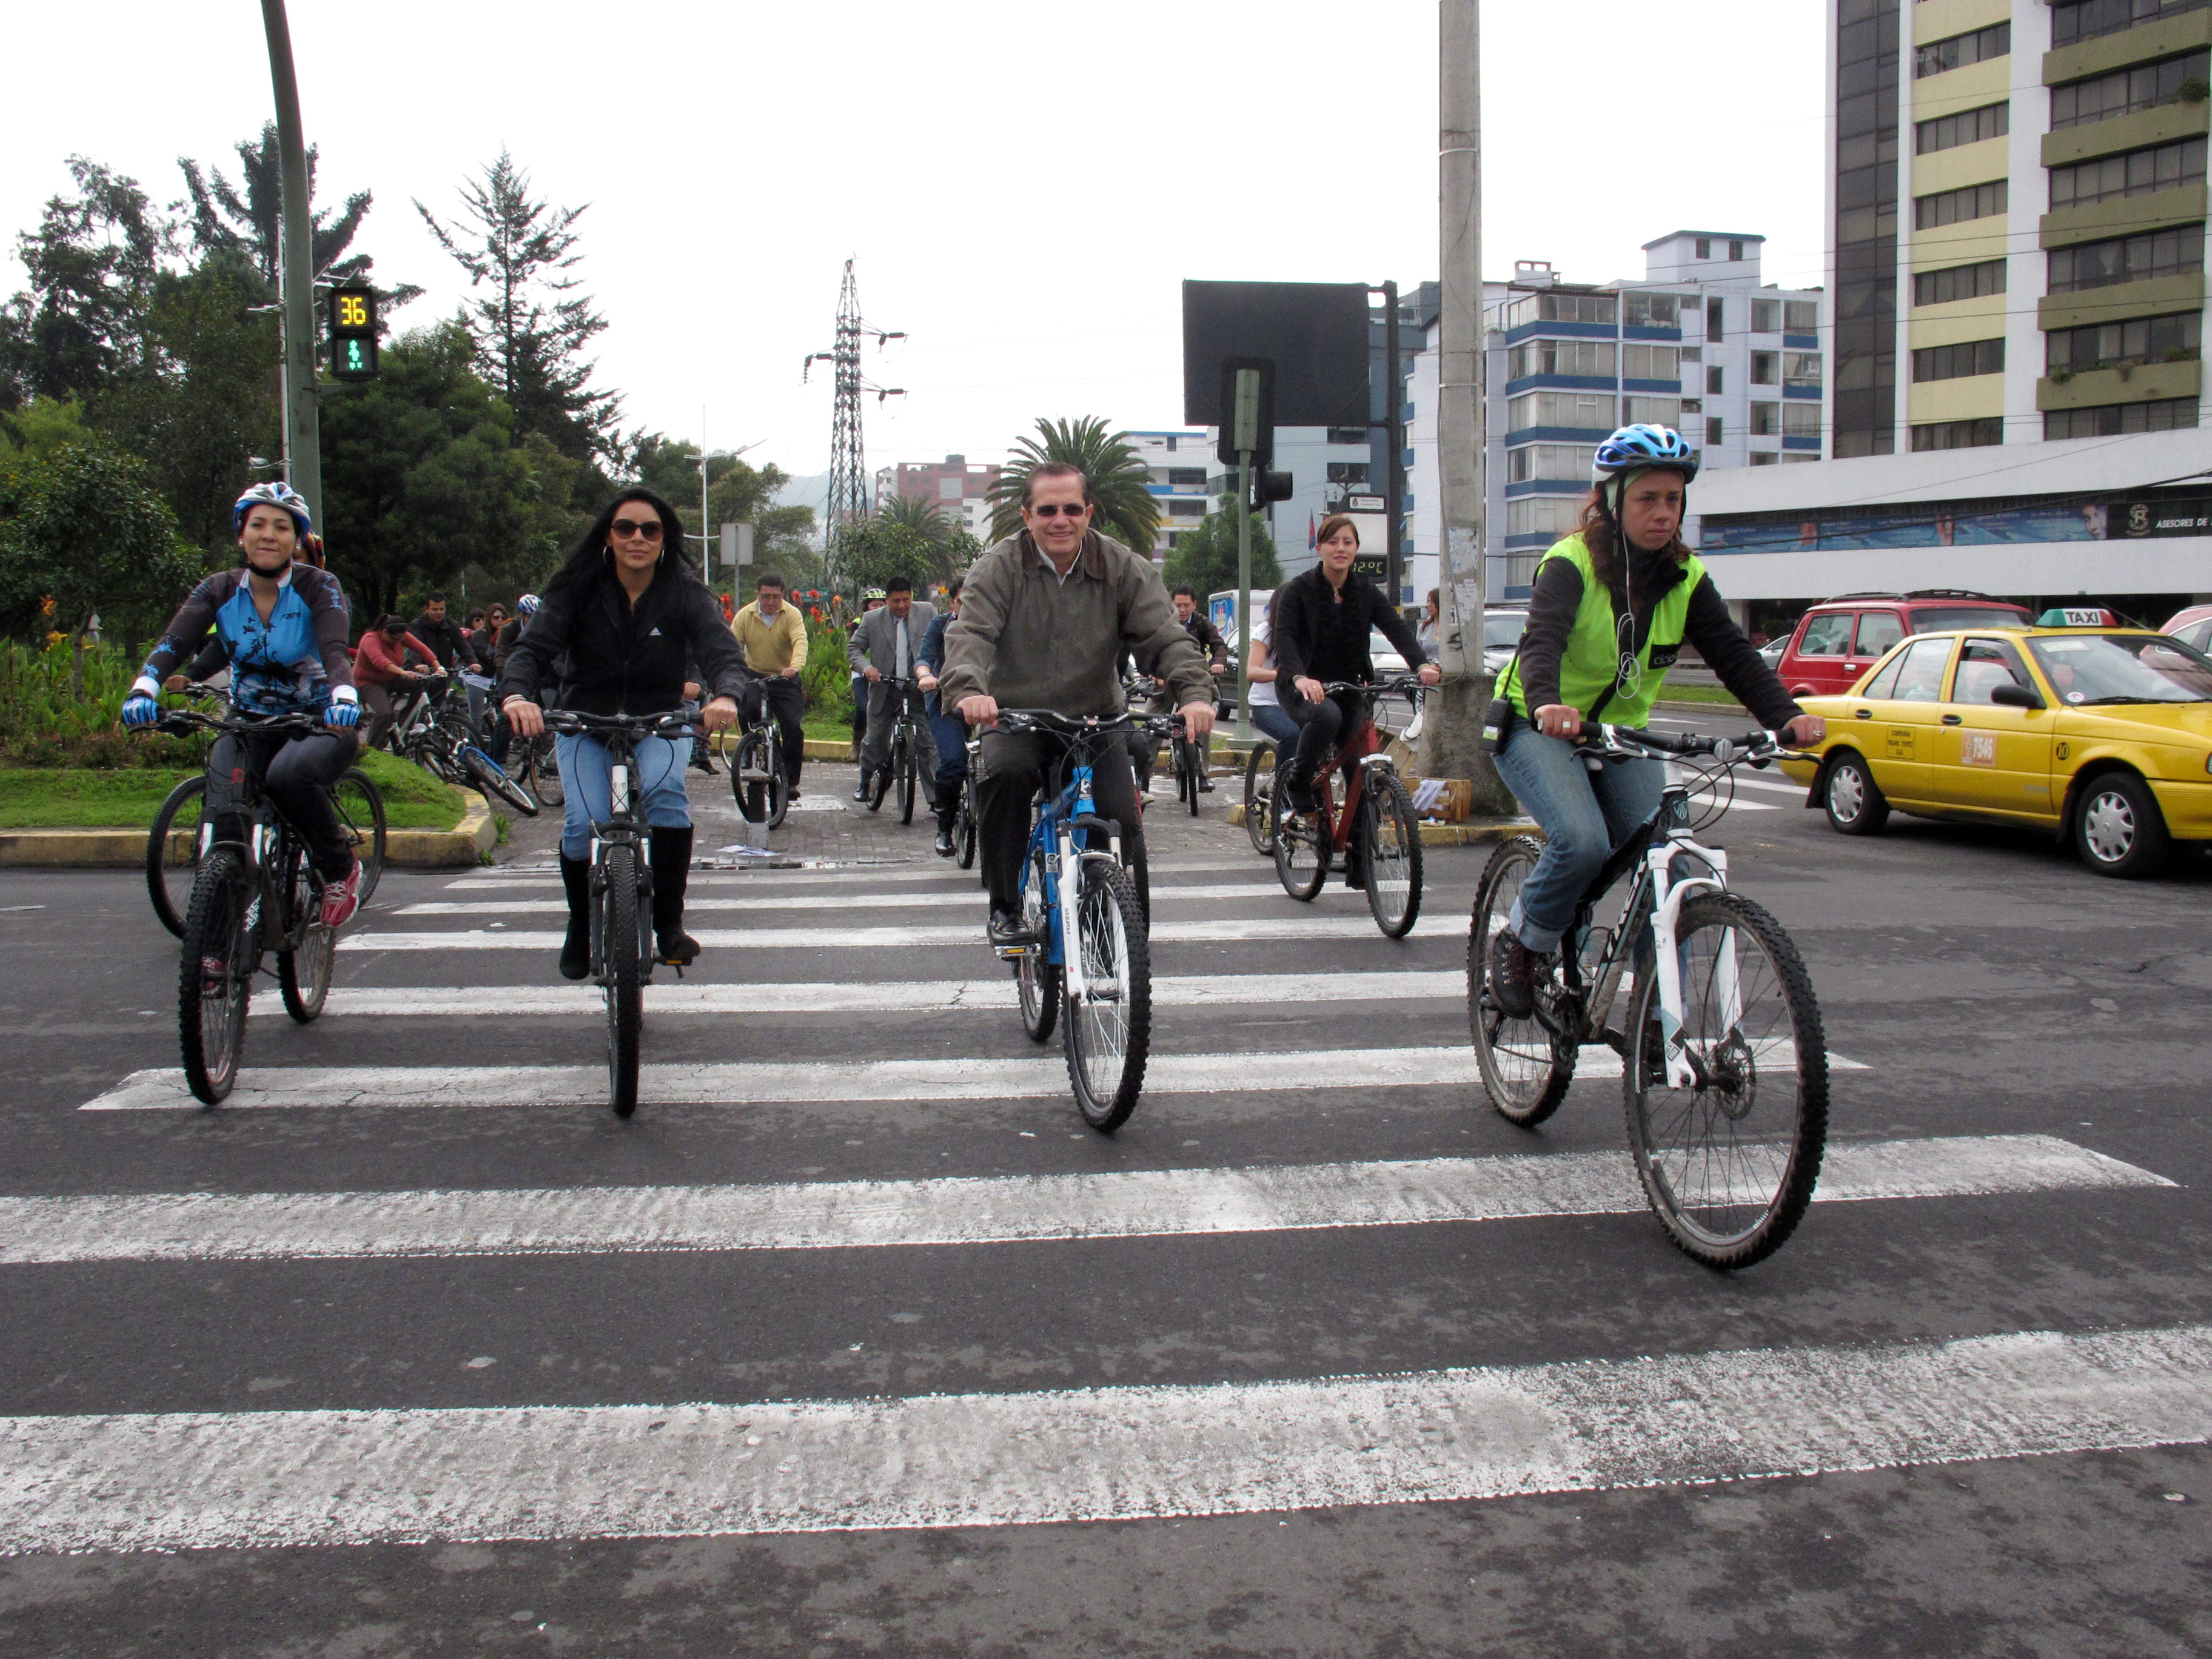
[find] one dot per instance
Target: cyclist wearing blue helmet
(1613, 605)
(283, 622)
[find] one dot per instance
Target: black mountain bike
(902, 760)
(622, 948)
(249, 897)
(437, 733)
(757, 777)
(969, 815)
(1191, 761)
(1724, 1061)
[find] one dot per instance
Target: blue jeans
(1279, 727)
(950, 732)
(656, 786)
(1585, 814)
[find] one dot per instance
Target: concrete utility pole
(303, 455)
(1455, 708)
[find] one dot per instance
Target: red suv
(1838, 640)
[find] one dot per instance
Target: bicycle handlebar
(176, 721)
(1047, 719)
(1624, 742)
(1406, 685)
(673, 724)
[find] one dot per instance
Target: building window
(1172, 443)
(2126, 259)
(1735, 252)
(1958, 435)
(1712, 431)
(1543, 515)
(1952, 207)
(1704, 247)
(1650, 363)
(1551, 308)
(1715, 377)
(1766, 420)
(1693, 354)
(1940, 288)
(1866, 59)
(2085, 20)
(1801, 420)
(1580, 410)
(1531, 461)
(1968, 126)
(1802, 368)
(1347, 434)
(1957, 363)
(1589, 357)
(2141, 340)
(1693, 406)
(1654, 411)
(1801, 316)
(1652, 310)
(1186, 507)
(1975, 47)
(1765, 367)
(1767, 316)
(2164, 166)
(1187, 475)
(1713, 317)
(2110, 420)
(949, 489)
(1764, 457)
(2145, 86)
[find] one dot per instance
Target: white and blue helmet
(273, 494)
(1634, 448)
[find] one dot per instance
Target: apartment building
(1180, 462)
(961, 488)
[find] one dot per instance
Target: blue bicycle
(1086, 926)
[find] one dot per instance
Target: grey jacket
(1032, 640)
(874, 644)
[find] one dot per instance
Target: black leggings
(296, 772)
(1321, 726)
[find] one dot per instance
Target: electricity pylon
(849, 477)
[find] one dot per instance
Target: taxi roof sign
(2068, 616)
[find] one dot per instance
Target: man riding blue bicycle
(1044, 616)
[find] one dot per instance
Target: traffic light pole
(303, 457)
(1244, 597)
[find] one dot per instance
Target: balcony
(2123, 383)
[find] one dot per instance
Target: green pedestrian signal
(353, 333)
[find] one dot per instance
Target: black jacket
(613, 657)
(1318, 635)
(448, 641)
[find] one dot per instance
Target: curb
(1476, 832)
(125, 849)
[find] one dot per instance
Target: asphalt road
(879, 1351)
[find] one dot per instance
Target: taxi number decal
(1977, 749)
(1900, 743)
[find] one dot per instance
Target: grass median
(81, 798)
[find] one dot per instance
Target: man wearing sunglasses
(1044, 616)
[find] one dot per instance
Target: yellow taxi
(2104, 734)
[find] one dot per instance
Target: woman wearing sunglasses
(618, 625)
(1613, 605)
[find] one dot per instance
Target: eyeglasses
(1051, 509)
(650, 529)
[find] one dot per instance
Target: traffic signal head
(353, 333)
(1268, 488)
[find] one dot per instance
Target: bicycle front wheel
(903, 759)
(494, 785)
(544, 779)
(1393, 850)
(1525, 1071)
(1191, 760)
(963, 837)
(170, 871)
(1109, 1031)
(303, 973)
(779, 783)
(1037, 977)
(215, 975)
(749, 780)
(360, 805)
(621, 975)
(1260, 798)
(1730, 1162)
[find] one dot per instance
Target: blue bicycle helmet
(1633, 448)
(526, 606)
(273, 494)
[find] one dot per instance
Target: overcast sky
(1023, 184)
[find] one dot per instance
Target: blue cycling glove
(140, 711)
(345, 715)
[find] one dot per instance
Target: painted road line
(290, 1479)
(995, 994)
(1226, 931)
(770, 904)
(549, 875)
(988, 1210)
(815, 1083)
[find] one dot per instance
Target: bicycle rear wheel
(494, 785)
(1730, 1163)
(1524, 1070)
(544, 770)
(303, 974)
(1393, 853)
(622, 974)
(963, 835)
(1037, 978)
(1109, 1027)
(360, 805)
(215, 980)
(1260, 798)
(170, 873)
(1300, 849)
(902, 760)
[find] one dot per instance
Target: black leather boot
(576, 947)
(672, 868)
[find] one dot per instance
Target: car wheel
(2118, 827)
(1854, 802)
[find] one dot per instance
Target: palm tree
(1121, 483)
(917, 513)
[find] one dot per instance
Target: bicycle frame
(1363, 751)
(270, 846)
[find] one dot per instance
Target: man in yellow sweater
(774, 640)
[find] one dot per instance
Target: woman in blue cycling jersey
(1612, 607)
(620, 624)
(283, 625)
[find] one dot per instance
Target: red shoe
(342, 897)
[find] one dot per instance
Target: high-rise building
(961, 488)
(1180, 462)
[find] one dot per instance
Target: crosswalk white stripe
(1222, 931)
(875, 996)
(749, 1083)
(203, 1479)
(771, 904)
(960, 1211)
(856, 874)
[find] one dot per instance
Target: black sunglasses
(650, 529)
(1052, 510)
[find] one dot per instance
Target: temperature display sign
(353, 333)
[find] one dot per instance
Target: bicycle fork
(1683, 1070)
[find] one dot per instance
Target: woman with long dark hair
(620, 623)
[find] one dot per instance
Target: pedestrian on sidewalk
(774, 640)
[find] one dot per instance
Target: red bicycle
(1376, 819)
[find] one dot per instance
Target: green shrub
(44, 722)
